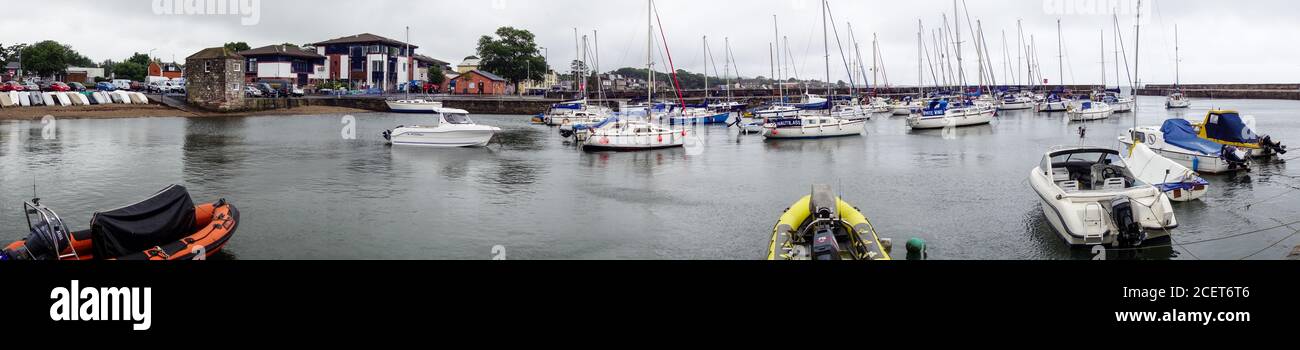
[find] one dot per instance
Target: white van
(122, 84)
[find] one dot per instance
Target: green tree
(49, 57)
(131, 70)
(140, 59)
(238, 46)
(11, 53)
(512, 55)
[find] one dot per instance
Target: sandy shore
(152, 110)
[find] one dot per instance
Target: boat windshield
(1088, 157)
(457, 118)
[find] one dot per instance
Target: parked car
(57, 86)
(77, 86)
(157, 86)
(175, 87)
(121, 84)
(137, 86)
(31, 86)
(267, 90)
(250, 91)
(105, 86)
(12, 86)
(297, 92)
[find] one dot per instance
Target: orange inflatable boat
(166, 226)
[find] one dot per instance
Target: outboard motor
(388, 135)
(1268, 143)
(1235, 159)
(824, 246)
(1130, 231)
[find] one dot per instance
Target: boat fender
(916, 249)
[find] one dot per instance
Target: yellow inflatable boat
(822, 226)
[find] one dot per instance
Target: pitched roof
(490, 76)
(12, 65)
(419, 57)
(281, 50)
(362, 39)
(214, 52)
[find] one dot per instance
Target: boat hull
(847, 128)
(1050, 107)
(1196, 162)
(1084, 219)
(441, 139)
(954, 120)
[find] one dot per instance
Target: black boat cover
(166, 217)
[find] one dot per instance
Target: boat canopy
(1160, 171)
(1227, 127)
(599, 125)
(1179, 132)
(165, 217)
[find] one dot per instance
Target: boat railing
(54, 230)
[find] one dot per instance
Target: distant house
(477, 82)
(367, 60)
(215, 79)
(426, 66)
(166, 70)
(470, 63)
(282, 62)
(85, 75)
(11, 70)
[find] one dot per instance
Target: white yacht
(810, 126)
(615, 134)
(1091, 197)
(1016, 102)
(454, 129)
(1177, 100)
(942, 113)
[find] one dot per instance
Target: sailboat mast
(1137, 44)
(1020, 43)
(706, 69)
(780, 70)
(1103, 60)
(649, 56)
(727, 74)
(1177, 60)
(1060, 54)
(961, 71)
(409, 56)
(920, 69)
(826, 46)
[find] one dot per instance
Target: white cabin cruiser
(880, 105)
(811, 126)
(940, 114)
(414, 106)
(1175, 180)
(1117, 102)
(1091, 197)
(907, 106)
(851, 111)
(615, 134)
(1177, 140)
(776, 111)
(1177, 100)
(454, 129)
(1085, 110)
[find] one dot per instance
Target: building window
(252, 65)
(207, 67)
(235, 67)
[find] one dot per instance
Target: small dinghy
(6, 101)
(1176, 181)
(47, 99)
(62, 98)
(1178, 141)
(24, 98)
(165, 226)
(821, 226)
(83, 98)
(73, 98)
(1226, 128)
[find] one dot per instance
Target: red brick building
(168, 70)
(477, 82)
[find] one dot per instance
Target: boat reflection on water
(817, 146)
(955, 132)
(1050, 245)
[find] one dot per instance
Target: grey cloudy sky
(1222, 41)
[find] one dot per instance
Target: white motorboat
(454, 129)
(1178, 141)
(942, 113)
(414, 106)
(730, 106)
(615, 134)
(1085, 110)
(1091, 197)
(574, 119)
(810, 126)
(1177, 100)
(1175, 180)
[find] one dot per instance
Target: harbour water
(307, 192)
